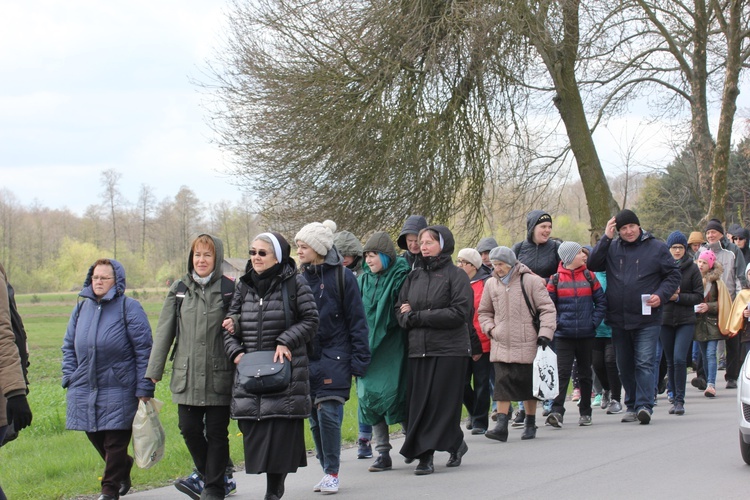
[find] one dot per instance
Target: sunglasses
(262, 253)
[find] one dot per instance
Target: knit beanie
(709, 256)
(471, 256)
(486, 244)
(545, 217)
(626, 217)
(380, 242)
(318, 236)
(696, 237)
(568, 251)
(714, 224)
(677, 238)
(503, 254)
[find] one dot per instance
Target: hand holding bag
(546, 383)
(148, 434)
(258, 374)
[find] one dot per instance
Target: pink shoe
(576, 395)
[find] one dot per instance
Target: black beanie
(714, 224)
(626, 217)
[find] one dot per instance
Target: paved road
(692, 456)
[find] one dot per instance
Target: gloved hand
(542, 342)
(19, 412)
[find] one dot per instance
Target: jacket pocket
(222, 375)
(335, 367)
(179, 375)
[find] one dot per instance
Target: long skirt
(275, 446)
(434, 393)
(513, 382)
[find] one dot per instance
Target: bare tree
(146, 201)
(112, 199)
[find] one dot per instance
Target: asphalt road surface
(692, 456)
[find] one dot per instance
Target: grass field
(49, 462)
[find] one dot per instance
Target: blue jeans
(708, 353)
(325, 424)
(635, 351)
(677, 341)
(657, 361)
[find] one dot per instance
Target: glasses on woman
(262, 253)
(461, 262)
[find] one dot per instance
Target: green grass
(50, 462)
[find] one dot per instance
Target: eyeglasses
(737, 238)
(677, 247)
(102, 278)
(262, 253)
(460, 262)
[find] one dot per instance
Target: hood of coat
(714, 274)
(347, 244)
(117, 290)
(380, 242)
(486, 244)
(218, 258)
(531, 220)
(482, 274)
(449, 244)
(413, 225)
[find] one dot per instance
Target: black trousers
(567, 351)
(113, 448)
(206, 434)
(605, 366)
(477, 397)
(734, 358)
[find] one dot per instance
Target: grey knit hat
(503, 254)
(568, 251)
(471, 256)
(318, 236)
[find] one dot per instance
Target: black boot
(275, 486)
(455, 458)
(529, 427)
(425, 466)
(500, 432)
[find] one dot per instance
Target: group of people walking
(420, 334)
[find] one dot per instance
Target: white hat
(318, 236)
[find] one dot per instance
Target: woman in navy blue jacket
(105, 354)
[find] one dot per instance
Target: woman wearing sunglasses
(273, 425)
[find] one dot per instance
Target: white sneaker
(316, 488)
(329, 484)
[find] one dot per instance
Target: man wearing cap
(733, 278)
(642, 276)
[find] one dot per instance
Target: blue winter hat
(677, 238)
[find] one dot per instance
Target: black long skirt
(275, 446)
(434, 393)
(513, 382)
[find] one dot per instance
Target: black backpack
(19, 333)
(227, 292)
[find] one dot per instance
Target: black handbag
(535, 319)
(258, 374)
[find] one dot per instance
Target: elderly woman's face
(203, 260)
(501, 268)
(262, 256)
(102, 280)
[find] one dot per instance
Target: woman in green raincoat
(382, 392)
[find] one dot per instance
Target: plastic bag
(546, 382)
(148, 434)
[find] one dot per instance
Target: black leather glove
(542, 342)
(19, 412)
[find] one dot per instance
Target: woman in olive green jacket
(201, 373)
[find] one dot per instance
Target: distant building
(233, 267)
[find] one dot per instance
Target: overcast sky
(91, 85)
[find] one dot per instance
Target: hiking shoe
(672, 409)
(584, 420)
(644, 416)
(605, 400)
(518, 421)
(576, 395)
(679, 409)
(230, 486)
(547, 408)
(192, 486)
(555, 420)
(710, 392)
(731, 383)
(329, 484)
(614, 407)
(629, 417)
(597, 401)
(699, 383)
(478, 431)
(364, 448)
(383, 462)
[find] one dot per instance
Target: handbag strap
(526, 298)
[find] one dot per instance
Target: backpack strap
(289, 296)
(227, 291)
(179, 296)
(19, 332)
(536, 321)
(342, 285)
(589, 277)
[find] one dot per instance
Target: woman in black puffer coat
(272, 424)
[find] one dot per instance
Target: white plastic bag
(148, 434)
(546, 382)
